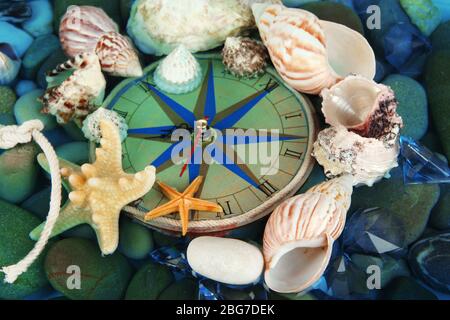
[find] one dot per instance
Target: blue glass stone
(420, 165)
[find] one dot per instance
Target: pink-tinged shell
(310, 54)
(300, 233)
(118, 56)
(81, 27)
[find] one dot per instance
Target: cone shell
(311, 54)
(299, 235)
(9, 64)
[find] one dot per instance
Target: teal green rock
(317, 176)
(102, 278)
(38, 203)
(405, 288)
(412, 104)
(15, 225)
(149, 282)
(7, 100)
(163, 240)
(111, 7)
(75, 152)
(437, 83)
(440, 39)
(82, 231)
(28, 107)
(335, 12)
(41, 19)
(7, 120)
(440, 216)
(41, 48)
(18, 172)
(423, 14)
(411, 204)
(73, 131)
(136, 241)
(50, 63)
(185, 289)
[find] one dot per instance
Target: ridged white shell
(311, 54)
(9, 64)
(299, 235)
(89, 29)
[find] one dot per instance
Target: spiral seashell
(299, 235)
(89, 29)
(364, 137)
(179, 72)
(9, 64)
(312, 54)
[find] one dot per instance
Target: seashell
(244, 57)
(89, 29)
(9, 64)
(78, 94)
(15, 11)
(225, 260)
(91, 125)
(312, 54)
(364, 137)
(159, 26)
(179, 72)
(299, 235)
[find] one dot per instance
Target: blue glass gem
(420, 165)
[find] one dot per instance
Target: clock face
(250, 139)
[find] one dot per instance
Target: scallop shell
(244, 57)
(179, 72)
(89, 29)
(312, 54)
(9, 64)
(78, 94)
(364, 137)
(299, 235)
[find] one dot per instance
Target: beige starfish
(182, 203)
(100, 191)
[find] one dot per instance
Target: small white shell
(299, 235)
(9, 64)
(91, 126)
(310, 54)
(225, 260)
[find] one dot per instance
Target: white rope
(10, 136)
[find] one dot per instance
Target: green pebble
(102, 278)
(423, 14)
(185, 289)
(412, 104)
(149, 282)
(7, 120)
(411, 204)
(335, 12)
(440, 39)
(111, 7)
(38, 203)
(163, 240)
(28, 107)
(437, 83)
(75, 152)
(136, 241)
(84, 231)
(405, 288)
(73, 131)
(50, 63)
(440, 216)
(15, 225)
(41, 48)
(18, 172)
(7, 100)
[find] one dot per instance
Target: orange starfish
(182, 203)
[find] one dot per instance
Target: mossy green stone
(136, 241)
(440, 38)
(28, 107)
(15, 225)
(412, 104)
(111, 7)
(102, 278)
(7, 100)
(437, 82)
(41, 48)
(440, 216)
(185, 289)
(18, 172)
(335, 12)
(405, 288)
(149, 282)
(412, 204)
(75, 152)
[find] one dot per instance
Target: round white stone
(225, 260)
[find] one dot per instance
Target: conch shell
(89, 29)
(364, 138)
(9, 64)
(299, 235)
(312, 54)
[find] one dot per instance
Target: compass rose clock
(241, 117)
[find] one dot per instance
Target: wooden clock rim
(165, 224)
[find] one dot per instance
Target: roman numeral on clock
(296, 114)
(268, 188)
(293, 154)
(226, 208)
(123, 114)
